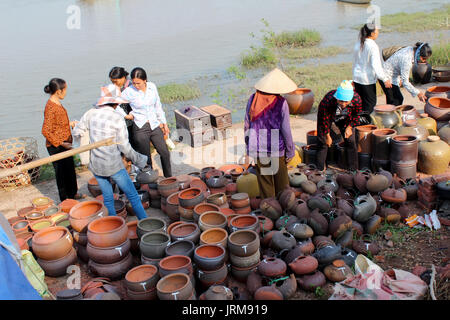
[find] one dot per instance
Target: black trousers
(66, 178)
(349, 145)
(393, 95)
(142, 138)
(368, 94)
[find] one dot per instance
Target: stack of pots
(53, 246)
(42, 203)
(240, 203)
(80, 215)
(210, 261)
(216, 181)
(364, 144)
(152, 233)
(187, 200)
(108, 247)
(166, 187)
(141, 281)
(381, 148)
(404, 156)
(175, 286)
(243, 246)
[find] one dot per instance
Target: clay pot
(365, 246)
(377, 183)
(434, 156)
(242, 211)
(244, 222)
(373, 224)
(216, 181)
(348, 256)
(107, 232)
(437, 108)
(201, 208)
(84, 212)
(108, 255)
(181, 247)
(168, 186)
(312, 281)
(337, 271)
(285, 221)
(243, 243)
(394, 195)
(318, 222)
(345, 180)
(327, 254)
(381, 139)
(365, 207)
(149, 225)
(346, 206)
(212, 172)
(321, 202)
(300, 230)
(339, 226)
(209, 278)
(265, 224)
(444, 133)
(186, 231)
(287, 287)
(145, 295)
(390, 215)
(58, 267)
(153, 244)
(214, 236)
(428, 123)
(175, 264)
(51, 211)
(113, 270)
(150, 261)
(146, 176)
(300, 101)
(219, 199)
(268, 293)
(41, 224)
(212, 219)
(296, 179)
(282, 240)
(438, 92)
(385, 116)
(245, 262)
(240, 200)
(12, 220)
(34, 216)
(209, 257)
(80, 238)
(189, 198)
(301, 210)
(22, 212)
(271, 208)
(255, 202)
(272, 267)
(407, 112)
(364, 138)
(52, 243)
(254, 282)
(304, 265)
(172, 207)
(421, 72)
(94, 188)
(345, 239)
(358, 228)
(218, 293)
(412, 128)
(42, 203)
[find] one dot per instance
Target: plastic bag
(34, 274)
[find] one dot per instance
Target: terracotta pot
(176, 286)
(268, 293)
(373, 224)
(348, 256)
(110, 254)
(93, 187)
(428, 123)
(175, 264)
(21, 226)
(199, 184)
(272, 267)
(107, 232)
(219, 293)
(271, 208)
(244, 222)
(364, 137)
(132, 229)
(243, 243)
(214, 236)
(145, 295)
(385, 116)
(149, 225)
(22, 212)
(84, 212)
(365, 246)
(327, 254)
(241, 211)
(300, 230)
(201, 208)
(58, 267)
(41, 224)
(301, 210)
(438, 108)
(287, 287)
(186, 231)
(285, 221)
(168, 186)
(189, 198)
(304, 265)
(209, 278)
(212, 172)
(365, 207)
(390, 215)
(339, 225)
(34, 216)
(287, 199)
(113, 270)
(231, 188)
(245, 262)
(345, 180)
(444, 133)
(173, 225)
(186, 215)
(438, 92)
(212, 219)
(358, 228)
(421, 72)
(153, 244)
(241, 274)
(377, 183)
(318, 222)
(219, 199)
(434, 156)
(180, 247)
(12, 220)
(394, 195)
(216, 181)
(209, 257)
(337, 271)
(51, 211)
(254, 282)
(150, 261)
(52, 243)
(407, 112)
(80, 237)
(42, 203)
(240, 200)
(265, 224)
(60, 217)
(300, 101)
(311, 282)
(255, 202)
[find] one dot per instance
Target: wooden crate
(196, 138)
(192, 119)
(221, 134)
(220, 116)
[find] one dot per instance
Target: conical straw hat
(276, 82)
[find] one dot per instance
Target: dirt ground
(408, 250)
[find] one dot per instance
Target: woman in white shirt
(367, 67)
(149, 119)
(398, 67)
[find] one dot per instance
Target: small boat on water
(356, 1)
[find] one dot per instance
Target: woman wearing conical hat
(268, 136)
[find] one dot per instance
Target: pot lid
(433, 138)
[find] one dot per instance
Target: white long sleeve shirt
(398, 67)
(367, 65)
(146, 106)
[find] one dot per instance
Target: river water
(175, 41)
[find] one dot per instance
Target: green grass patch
(437, 19)
(173, 92)
(301, 54)
(47, 172)
(259, 57)
(300, 38)
(237, 72)
(440, 54)
(320, 78)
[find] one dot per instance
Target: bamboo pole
(39, 162)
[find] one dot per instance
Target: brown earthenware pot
(84, 212)
(272, 267)
(58, 267)
(52, 243)
(107, 232)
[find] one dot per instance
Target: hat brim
(276, 82)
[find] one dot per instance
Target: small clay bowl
(175, 264)
(189, 198)
(42, 203)
(209, 278)
(240, 200)
(84, 212)
(212, 219)
(23, 212)
(209, 256)
(181, 247)
(175, 286)
(15, 219)
(153, 244)
(34, 215)
(214, 236)
(51, 211)
(201, 208)
(41, 224)
(150, 224)
(219, 199)
(142, 278)
(67, 204)
(186, 231)
(243, 243)
(173, 225)
(107, 232)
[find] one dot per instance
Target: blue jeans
(125, 184)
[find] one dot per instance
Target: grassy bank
(440, 54)
(173, 92)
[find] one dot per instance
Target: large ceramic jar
(412, 128)
(407, 112)
(438, 92)
(300, 101)
(444, 133)
(404, 149)
(386, 116)
(438, 108)
(434, 156)
(421, 73)
(248, 183)
(428, 123)
(364, 138)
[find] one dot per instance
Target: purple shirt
(269, 135)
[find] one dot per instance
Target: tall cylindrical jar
(404, 149)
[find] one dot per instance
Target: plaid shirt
(326, 114)
(102, 123)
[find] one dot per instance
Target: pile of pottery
(153, 239)
(53, 246)
(108, 247)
